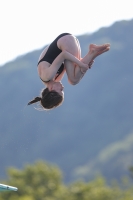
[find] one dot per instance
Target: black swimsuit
(52, 52)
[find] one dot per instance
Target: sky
(27, 25)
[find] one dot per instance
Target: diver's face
(58, 87)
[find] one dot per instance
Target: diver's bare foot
(96, 50)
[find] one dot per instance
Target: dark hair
(49, 99)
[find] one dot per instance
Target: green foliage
(37, 182)
(97, 190)
(42, 181)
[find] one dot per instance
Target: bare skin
(75, 66)
(94, 51)
(76, 73)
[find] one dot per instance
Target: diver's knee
(73, 82)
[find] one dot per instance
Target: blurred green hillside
(92, 132)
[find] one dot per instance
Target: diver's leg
(74, 72)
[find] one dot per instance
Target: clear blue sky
(27, 25)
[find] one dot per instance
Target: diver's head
(51, 97)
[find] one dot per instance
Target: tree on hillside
(98, 190)
(35, 182)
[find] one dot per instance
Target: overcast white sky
(27, 25)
